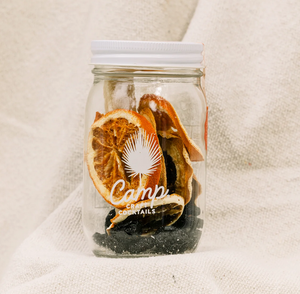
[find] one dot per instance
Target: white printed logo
(141, 156)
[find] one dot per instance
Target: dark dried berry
(180, 222)
(197, 210)
(199, 223)
(130, 227)
(181, 236)
(192, 209)
(134, 228)
(171, 172)
(110, 215)
(188, 220)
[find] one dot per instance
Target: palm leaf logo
(141, 155)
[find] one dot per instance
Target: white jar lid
(139, 53)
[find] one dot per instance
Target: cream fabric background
(45, 79)
(252, 238)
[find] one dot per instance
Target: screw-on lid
(138, 53)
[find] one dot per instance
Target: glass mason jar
(145, 149)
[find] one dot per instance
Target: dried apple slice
(147, 113)
(146, 217)
(168, 123)
(178, 166)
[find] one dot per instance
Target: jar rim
(145, 53)
(144, 71)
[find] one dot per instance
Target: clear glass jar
(145, 149)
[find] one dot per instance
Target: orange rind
(108, 166)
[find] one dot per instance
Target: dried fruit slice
(123, 155)
(168, 135)
(163, 173)
(178, 166)
(98, 116)
(168, 123)
(146, 217)
(147, 113)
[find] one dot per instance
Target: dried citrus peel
(107, 139)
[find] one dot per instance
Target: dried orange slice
(123, 157)
(146, 217)
(168, 123)
(98, 116)
(178, 166)
(147, 113)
